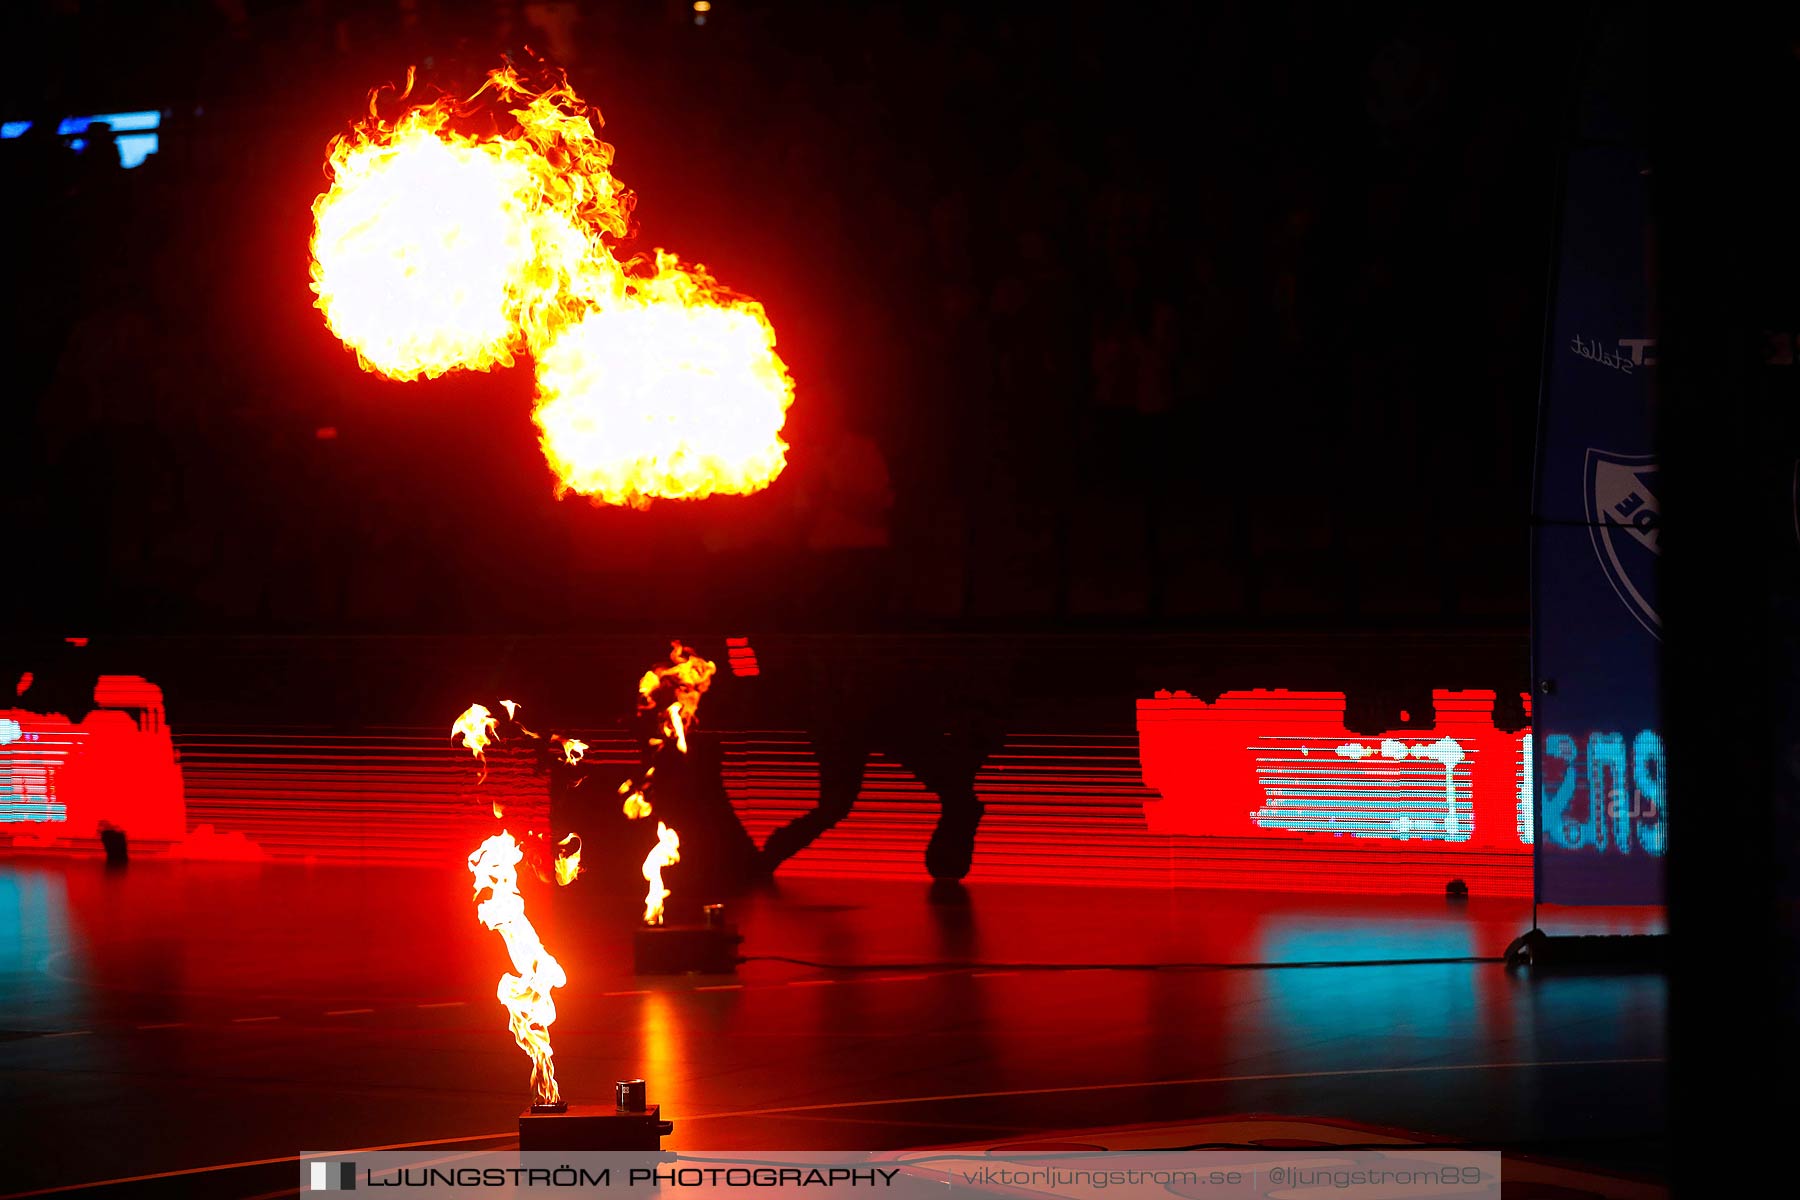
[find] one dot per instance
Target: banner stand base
(1616, 952)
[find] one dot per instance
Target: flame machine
(709, 948)
(631, 1123)
(667, 705)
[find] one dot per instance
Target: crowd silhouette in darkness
(1207, 314)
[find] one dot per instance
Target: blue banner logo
(1624, 522)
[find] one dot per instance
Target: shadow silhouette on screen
(929, 716)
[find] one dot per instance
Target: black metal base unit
(686, 950)
(593, 1127)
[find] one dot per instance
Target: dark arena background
(1123, 609)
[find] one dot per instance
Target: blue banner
(1599, 821)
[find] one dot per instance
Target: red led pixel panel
(1268, 762)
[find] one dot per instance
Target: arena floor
(205, 1023)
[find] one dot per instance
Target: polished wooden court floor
(192, 1020)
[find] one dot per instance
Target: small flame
(526, 995)
(573, 750)
(676, 689)
(512, 709)
(666, 852)
(673, 692)
(476, 729)
(568, 860)
(636, 805)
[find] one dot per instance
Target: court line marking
(993, 974)
(69, 1033)
(723, 987)
(253, 1162)
(811, 982)
(1015, 1130)
(639, 992)
(897, 978)
(1350, 1073)
(252, 1020)
(445, 1004)
(348, 1012)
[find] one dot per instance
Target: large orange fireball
(462, 234)
(676, 393)
(422, 250)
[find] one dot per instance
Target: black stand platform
(1608, 952)
(686, 950)
(592, 1127)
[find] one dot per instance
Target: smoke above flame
(462, 234)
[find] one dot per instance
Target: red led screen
(1262, 790)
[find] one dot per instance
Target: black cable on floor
(1170, 966)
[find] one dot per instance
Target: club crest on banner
(1624, 522)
